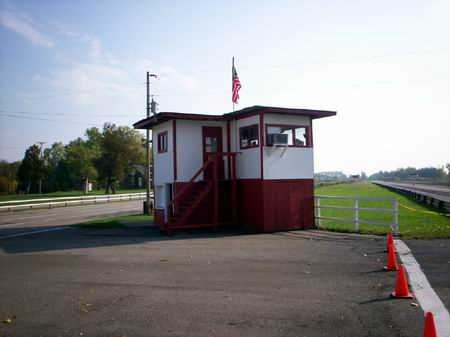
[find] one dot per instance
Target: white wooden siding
(163, 161)
(290, 162)
(248, 164)
(190, 146)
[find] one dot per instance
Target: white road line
(33, 232)
(425, 294)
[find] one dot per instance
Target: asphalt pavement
(439, 192)
(25, 221)
(434, 259)
(138, 282)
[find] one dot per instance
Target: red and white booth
(252, 168)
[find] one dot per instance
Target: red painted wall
(263, 205)
(288, 204)
(250, 206)
(159, 217)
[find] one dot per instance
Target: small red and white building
(252, 168)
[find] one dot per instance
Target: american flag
(236, 85)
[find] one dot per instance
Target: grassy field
(415, 220)
(14, 197)
(116, 222)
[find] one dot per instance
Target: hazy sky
(384, 66)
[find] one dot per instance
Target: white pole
(319, 222)
(356, 207)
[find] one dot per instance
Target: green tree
(57, 177)
(80, 159)
(121, 147)
(31, 169)
(94, 140)
(8, 180)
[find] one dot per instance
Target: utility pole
(147, 205)
(41, 147)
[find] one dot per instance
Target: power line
(47, 119)
(65, 114)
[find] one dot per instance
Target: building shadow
(54, 238)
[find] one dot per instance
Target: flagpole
(232, 79)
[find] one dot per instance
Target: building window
(162, 142)
(288, 135)
(249, 136)
(210, 144)
(301, 136)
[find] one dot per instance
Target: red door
(212, 143)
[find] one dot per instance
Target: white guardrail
(356, 220)
(68, 201)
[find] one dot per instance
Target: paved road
(137, 282)
(436, 191)
(434, 259)
(13, 223)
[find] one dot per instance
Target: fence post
(319, 222)
(395, 215)
(356, 208)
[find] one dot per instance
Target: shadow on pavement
(376, 300)
(73, 237)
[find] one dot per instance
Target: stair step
(192, 201)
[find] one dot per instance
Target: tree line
(411, 173)
(111, 158)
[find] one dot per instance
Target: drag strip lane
(40, 221)
(422, 290)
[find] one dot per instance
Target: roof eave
(162, 117)
(148, 123)
(314, 114)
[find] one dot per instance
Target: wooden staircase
(194, 193)
(186, 207)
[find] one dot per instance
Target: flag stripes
(236, 85)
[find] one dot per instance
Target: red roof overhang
(162, 117)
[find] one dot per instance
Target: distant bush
(412, 173)
(8, 181)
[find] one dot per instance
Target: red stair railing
(213, 159)
(187, 187)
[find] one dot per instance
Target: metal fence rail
(68, 201)
(356, 220)
(438, 196)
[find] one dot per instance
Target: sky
(384, 66)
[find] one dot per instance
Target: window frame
(163, 147)
(292, 127)
(251, 146)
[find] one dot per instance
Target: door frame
(221, 163)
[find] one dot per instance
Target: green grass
(115, 222)
(14, 197)
(415, 220)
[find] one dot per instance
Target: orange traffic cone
(430, 327)
(401, 286)
(392, 259)
(389, 241)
